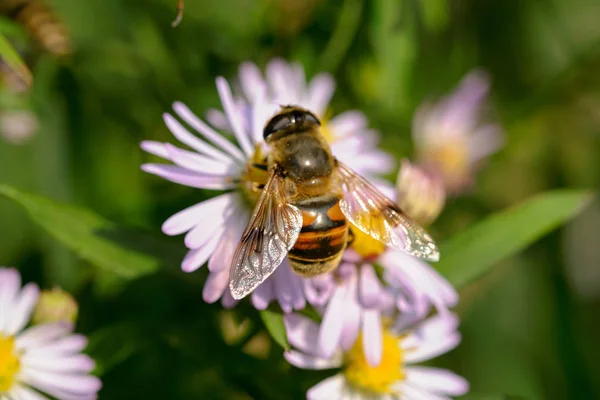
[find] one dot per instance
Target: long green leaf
(471, 253)
(126, 252)
(274, 324)
(14, 60)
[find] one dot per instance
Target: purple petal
(352, 316)
(186, 137)
(195, 258)
(332, 324)
(437, 380)
(213, 208)
(263, 294)
(370, 287)
(372, 337)
(215, 286)
(306, 361)
(211, 135)
(22, 308)
(302, 333)
(320, 91)
(319, 289)
(233, 115)
(192, 179)
(329, 389)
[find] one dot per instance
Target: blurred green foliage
(530, 327)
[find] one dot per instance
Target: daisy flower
(450, 136)
(212, 162)
(42, 358)
(354, 300)
(396, 377)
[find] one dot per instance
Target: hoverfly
(306, 206)
(41, 22)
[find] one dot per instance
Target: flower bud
(421, 195)
(55, 305)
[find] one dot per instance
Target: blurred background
(530, 328)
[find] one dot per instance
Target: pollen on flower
(255, 176)
(452, 159)
(365, 245)
(377, 379)
(9, 363)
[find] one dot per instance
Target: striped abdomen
(323, 236)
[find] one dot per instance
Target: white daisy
(214, 226)
(395, 377)
(450, 136)
(42, 358)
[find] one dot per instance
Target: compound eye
(310, 117)
(277, 123)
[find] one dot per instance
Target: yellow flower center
(452, 158)
(367, 247)
(377, 379)
(255, 176)
(9, 363)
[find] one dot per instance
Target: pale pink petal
(223, 254)
(329, 389)
(211, 135)
(332, 324)
(49, 381)
(352, 315)
(215, 285)
(204, 232)
(369, 287)
(218, 119)
(22, 308)
(233, 115)
(306, 361)
(201, 164)
(251, 80)
(372, 337)
(429, 349)
(318, 290)
(410, 392)
(38, 335)
(213, 209)
(484, 141)
(186, 137)
(78, 363)
(288, 288)
(65, 345)
(347, 123)
(10, 284)
(227, 300)
(186, 177)
(263, 294)
(437, 380)
(195, 258)
(320, 91)
(155, 148)
(24, 393)
(302, 332)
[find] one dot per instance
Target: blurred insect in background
(42, 24)
(307, 204)
(179, 13)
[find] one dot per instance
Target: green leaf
(13, 59)
(471, 253)
(126, 252)
(112, 345)
(274, 323)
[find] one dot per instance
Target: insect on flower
(306, 206)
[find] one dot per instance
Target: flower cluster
(373, 308)
(42, 358)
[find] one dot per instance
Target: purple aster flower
(354, 300)
(42, 358)
(450, 136)
(212, 162)
(395, 377)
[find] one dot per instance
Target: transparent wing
(376, 215)
(270, 234)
